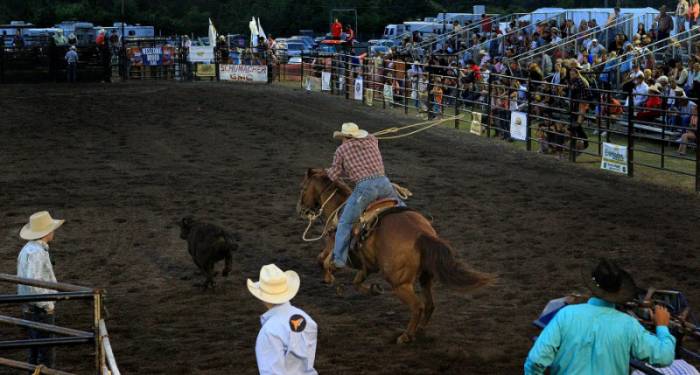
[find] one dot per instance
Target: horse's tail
(437, 259)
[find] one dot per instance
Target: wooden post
(97, 304)
(630, 134)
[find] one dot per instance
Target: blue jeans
(44, 355)
(72, 71)
(365, 192)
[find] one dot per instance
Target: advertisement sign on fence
(202, 54)
(475, 126)
(614, 158)
(248, 73)
(369, 97)
(206, 70)
(388, 94)
(325, 81)
(151, 56)
(518, 125)
(358, 88)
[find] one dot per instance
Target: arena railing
(105, 362)
(463, 35)
(556, 120)
(526, 27)
(613, 72)
(570, 46)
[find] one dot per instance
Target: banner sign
(248, 73)
(202, 54)
(325, 81)
(151, 56)
(475, 126)
(206, 70)
(358, 88)
(388, 94)
(614, 158)
(518, 125)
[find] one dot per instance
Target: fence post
(489, 107)
(572, 140)
(456, 98)
(528, 97)
(302, 70)
(697, 163)
(217, 61)
(429, 96)
(601, 111)
(332, 70)
(405, 88)
(348, 63)
(97, 305)
(630, 134)
(664, 118)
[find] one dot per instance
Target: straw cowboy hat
(609, 282)
(275, 286)
(40, 224)
(350, 130)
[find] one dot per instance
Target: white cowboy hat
(350, 130)
(275, 286)
(40, 224)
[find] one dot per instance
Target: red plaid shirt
(357, 158)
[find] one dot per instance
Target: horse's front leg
(327, 249)
(360, 286)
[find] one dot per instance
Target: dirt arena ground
(122, 163)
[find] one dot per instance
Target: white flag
(253, 32)
(212, 34)
(260, 30)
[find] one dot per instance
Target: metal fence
(573, 123)
(98, 338)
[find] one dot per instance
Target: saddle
(368, 222)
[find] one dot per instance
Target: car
(376, 49)
(308, 41)
(290, 48)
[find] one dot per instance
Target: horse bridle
(310, 213)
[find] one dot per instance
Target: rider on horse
(359, 159)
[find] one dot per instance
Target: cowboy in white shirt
(286, 344)
(34, 263)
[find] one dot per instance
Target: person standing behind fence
(72, 61)
(34, 262)
(286, 344)
(665, 24)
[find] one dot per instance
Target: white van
(393, 31)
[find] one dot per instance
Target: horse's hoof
(376, 290)
(403, 339)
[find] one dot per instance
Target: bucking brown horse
(404, 247)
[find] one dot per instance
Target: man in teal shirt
(595, 338)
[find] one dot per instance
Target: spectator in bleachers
(693, 12)
(681, 13)
(651, 108)
(665, 24)
(689, 135)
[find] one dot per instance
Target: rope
(326, 226)
(402, 192)
(423, 126)
(313, 217)
(37, 369)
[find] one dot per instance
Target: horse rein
(312, 216)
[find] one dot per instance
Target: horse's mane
(342, 186)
